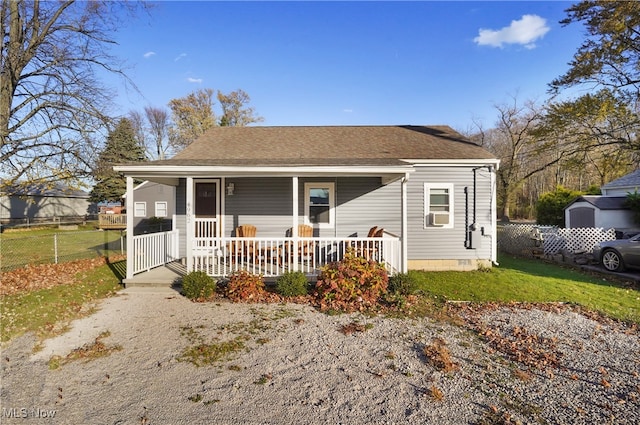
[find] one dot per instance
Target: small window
(161, 209)
(319, 204)
(438, 205)
(140, 209)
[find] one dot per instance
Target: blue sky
(351, 63)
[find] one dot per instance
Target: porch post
(190, 224)
(403, 241)
(130, 249)
(294, 228)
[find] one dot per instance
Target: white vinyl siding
(435, 243)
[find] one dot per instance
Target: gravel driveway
(298, 366)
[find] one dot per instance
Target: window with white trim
(139, 209)
(438, 205)
(161, 209)
(319, 204)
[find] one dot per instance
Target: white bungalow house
(430, 189)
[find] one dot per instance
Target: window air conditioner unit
(439, 218)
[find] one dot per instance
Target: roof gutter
(257, 171)
(494, 162)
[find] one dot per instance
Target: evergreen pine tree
(121, 148)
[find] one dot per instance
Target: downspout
(474, 223)
(129, 205)
(404, 244)
(466, 218)
(468, 239)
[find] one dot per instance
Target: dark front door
(206, 200)
(207, 212)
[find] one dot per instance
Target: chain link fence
(17, 251)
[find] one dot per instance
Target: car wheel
(612, 261)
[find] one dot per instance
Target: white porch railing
(154, 249)
(205, 232)
(272, 257)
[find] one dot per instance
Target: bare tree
(235, 113)
(53, 109)
(158, 119)
(192, 115)
(138, 124)
(512, 143)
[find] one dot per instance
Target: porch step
(164, 276)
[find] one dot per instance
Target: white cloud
(149, 54)
(348, 111)
(194, 80)
(180, 56)
(524, 31)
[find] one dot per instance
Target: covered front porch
(270, 257)
(339, 205)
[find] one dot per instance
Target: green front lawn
(19, 248)
(534, 281)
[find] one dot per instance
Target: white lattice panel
(583, 239)
(524, 239)
(519, 239)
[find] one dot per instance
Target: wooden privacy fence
(533, 240)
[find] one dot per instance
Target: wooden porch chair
(306, 248)
(246, 249)
(369, 249)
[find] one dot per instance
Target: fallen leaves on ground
(45, 276)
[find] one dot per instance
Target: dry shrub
(439, 357)
(245, 286)
(353, 283)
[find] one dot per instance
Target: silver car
(620, 254)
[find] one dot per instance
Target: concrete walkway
(168, 275)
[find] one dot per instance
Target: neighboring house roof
(55, 191)
(603, 202)
(328, 145)
(631, 180)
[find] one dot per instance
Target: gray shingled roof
(329, 145)
(604, 202)
(630, 180)
(57, 190)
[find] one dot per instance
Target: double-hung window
(161, 209)
(319, 204)
(139, 209)
(438, 205)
